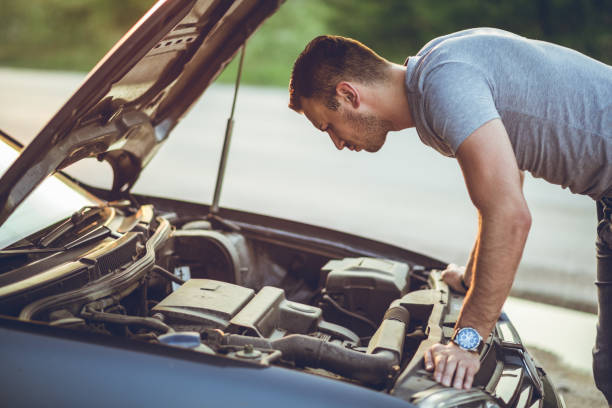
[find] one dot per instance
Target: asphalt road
(406, 194)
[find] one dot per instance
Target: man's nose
(339, 143)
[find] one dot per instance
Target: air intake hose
(373, 368)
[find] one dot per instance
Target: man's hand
(452, 365)
(452, 276)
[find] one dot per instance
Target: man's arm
(456, 276)
(493, 181)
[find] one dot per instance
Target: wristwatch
(467, 338)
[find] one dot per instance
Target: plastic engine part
(366, 285)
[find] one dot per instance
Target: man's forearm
(495, 258)
(469, 267)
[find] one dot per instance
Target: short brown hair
(327, 60)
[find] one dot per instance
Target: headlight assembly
(451, 397)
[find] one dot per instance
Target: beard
(370, 130)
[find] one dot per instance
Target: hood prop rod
(214, 208)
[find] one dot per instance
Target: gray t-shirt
(555, 103)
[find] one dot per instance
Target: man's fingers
(428, 361)
(449, 371)
(440, 361)
(471, 371)
(454, 281)
(449, 277)
(459, 375)
(452, 366)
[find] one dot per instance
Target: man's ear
(349, 93)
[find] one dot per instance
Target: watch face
(467, 338)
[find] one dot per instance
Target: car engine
(216, 289)
(346, 323)
(255, 291)
(264, 326)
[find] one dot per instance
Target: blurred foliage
(271, 51)
(397, 28)
(75, 34)
(63, 34)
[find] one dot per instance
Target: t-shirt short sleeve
(458, 100)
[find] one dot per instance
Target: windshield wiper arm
(96, 234)
(77, 218)
(22, 251)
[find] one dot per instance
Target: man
(500, 104)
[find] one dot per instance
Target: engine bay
(254, 290)
(253, 300)
(219, 289)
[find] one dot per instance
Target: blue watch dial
(468, 338)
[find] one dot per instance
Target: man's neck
(393, 102)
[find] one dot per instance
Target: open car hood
(137, 93)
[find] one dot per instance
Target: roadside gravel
(576, 386)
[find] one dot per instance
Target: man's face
(347, 126)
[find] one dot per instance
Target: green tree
(75, 34)
(398, 28)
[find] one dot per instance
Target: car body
(109, 299)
